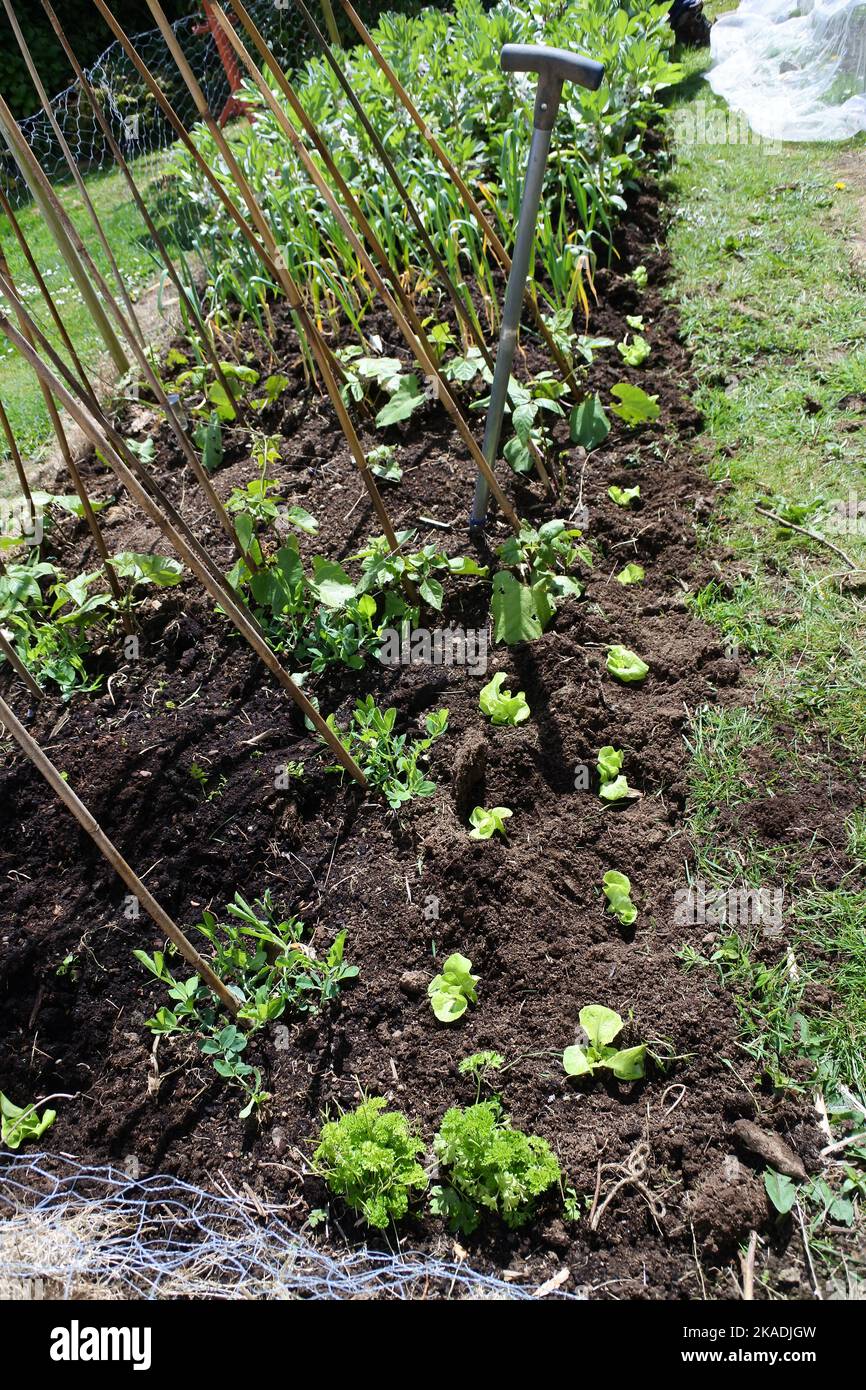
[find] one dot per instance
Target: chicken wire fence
(72, 1231)
(136, 119)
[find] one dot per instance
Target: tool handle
(555, 63)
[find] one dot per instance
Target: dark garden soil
(529, 912)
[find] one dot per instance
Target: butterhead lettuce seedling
(631, 574)
(614, 786)
(601, 1026)
(623, 496)
(501, 705)
(486, 823)
(20, 1122)
(452, 991)
(636, 352)
(369, 1157)
(625, 665)
(617, 890)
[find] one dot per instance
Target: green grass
(774, 309)
(129, 242)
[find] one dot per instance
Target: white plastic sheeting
(795, 68)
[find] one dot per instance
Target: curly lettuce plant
(369, 1157)
(624, 496)
(601, 1026)
(489, 1166)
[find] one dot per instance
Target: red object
(234, 106)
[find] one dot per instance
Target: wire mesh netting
(72, 1231)
(136, 119)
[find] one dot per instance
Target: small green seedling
(588, 423)
(626, 665)
(383, 462)
(623, 496)
(635, 322)
(481, 1065)
(640, 277)
(633, 406)
(631, 574)
(20, 1122)
(636, 352)
(617, 890)
(370, 1159)
(485, 823)
(501, 705)
(613, 786)
(601, 1026)
(452, 991)
(781, 1190)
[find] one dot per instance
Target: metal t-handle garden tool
(554, 67)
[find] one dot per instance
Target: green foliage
(613, 785)
(391, 762)
(489, 1167)
(631, 574)
(617, 890)
(453, 990)
(633, 405)
(383, 462)
(500, 705)
(369, 1157)
(626, 665)
(601, 1026)
(636, 352)
(485, 823)
(588, 423)
(209, 438)
(482, 1066)
(537, 578)
(640, 277)
(21, 1122)
(781, 1190)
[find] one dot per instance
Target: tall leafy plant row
(450, 64)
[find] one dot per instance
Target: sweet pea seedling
(452, 991)
(486, 823)
(625, 665)
(617, 890)
(501, 705)
(601, 1026)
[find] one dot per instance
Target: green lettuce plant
(601, 1026)
(623, 496)
(625, 665)
(369, 1157)
(485, 823)
(636, 352)
(21, 1122)
(631, 574)
(501, 706)
(617, 890)
(489, 1166)
(613, 785)
(453, 990)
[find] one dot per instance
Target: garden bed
(528, 910)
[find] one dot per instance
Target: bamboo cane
(16, 457)
(153, 231)
(72, 469)
(330, 21)
(9, 214)
(18, 666)
(288, 284)
(72, 165)
(138, 353)
(415, 340)
(25, 160)
(345, 191)
(109, 851)
(466, 195)
(220, 594)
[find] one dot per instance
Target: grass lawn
(127, 237)
(773, 303)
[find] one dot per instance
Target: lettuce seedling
(601, 1026)
(501, 705)
(617, 890)
(614, 786)
(370, 1159)
(625, 665)
(486, 823)
(20, 1122)
(623, 496)
(635, 321)
(631, 574)
(636, 352)
(451, 992)
(490, 1166)
(640, 277)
